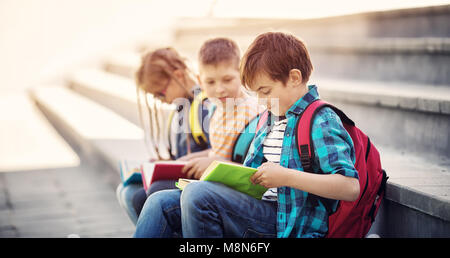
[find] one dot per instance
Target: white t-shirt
(272, 151)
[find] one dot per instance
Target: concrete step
(411, 45)
(59, 202)
(27, 140)
(118, 93)
(110, 90)
(123, 63)
(417, 200)
(411, 118)
(427, 21)
(414, 60)
(97, 133)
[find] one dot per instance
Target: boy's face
(220, 81)
(275, 95)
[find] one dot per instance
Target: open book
(230, 174)
(130, 171)
(161, 170)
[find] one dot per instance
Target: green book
(230, 174)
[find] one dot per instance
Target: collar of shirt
(293, 112)
(303, 102)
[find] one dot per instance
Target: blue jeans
(125, 195)
(132, 197)
(206, 209)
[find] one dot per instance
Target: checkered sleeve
(333, 146)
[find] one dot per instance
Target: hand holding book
(270, 175)
(196, 167)
(232, 175)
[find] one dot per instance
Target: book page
(147, 171)
(176, 162)
(183, 182)
(129, 167)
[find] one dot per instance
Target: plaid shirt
(299, 213)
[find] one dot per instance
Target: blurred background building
(68, 107)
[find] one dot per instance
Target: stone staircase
(389, 71)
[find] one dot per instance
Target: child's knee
(119, 191)
(196, 194)
(160, 200)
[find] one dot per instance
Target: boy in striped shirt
(232, 107)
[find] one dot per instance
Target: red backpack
(351, 219)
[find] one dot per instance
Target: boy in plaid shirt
(277, 66)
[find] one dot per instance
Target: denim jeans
(125, 195)
(206, 209)
(132, 197)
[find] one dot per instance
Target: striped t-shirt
(228, 122)
(272, 150)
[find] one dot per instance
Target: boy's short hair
(275, 54)
(217, 50)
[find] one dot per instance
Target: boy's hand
(270, 175)
(195, 167)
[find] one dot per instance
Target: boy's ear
(295, 77)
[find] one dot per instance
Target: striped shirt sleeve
(226, 125)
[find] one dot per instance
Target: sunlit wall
(42, 39)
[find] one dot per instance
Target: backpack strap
(169, 129)
(303, 130)
(242, 143)
(195, 119)
(303, 133)
(263, 118)
(245, 137)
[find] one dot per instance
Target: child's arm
(198, 154)
(333, 149)
(333, 186)
(196, 167)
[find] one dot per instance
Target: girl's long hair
(153, 75)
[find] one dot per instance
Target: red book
(161, 170)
